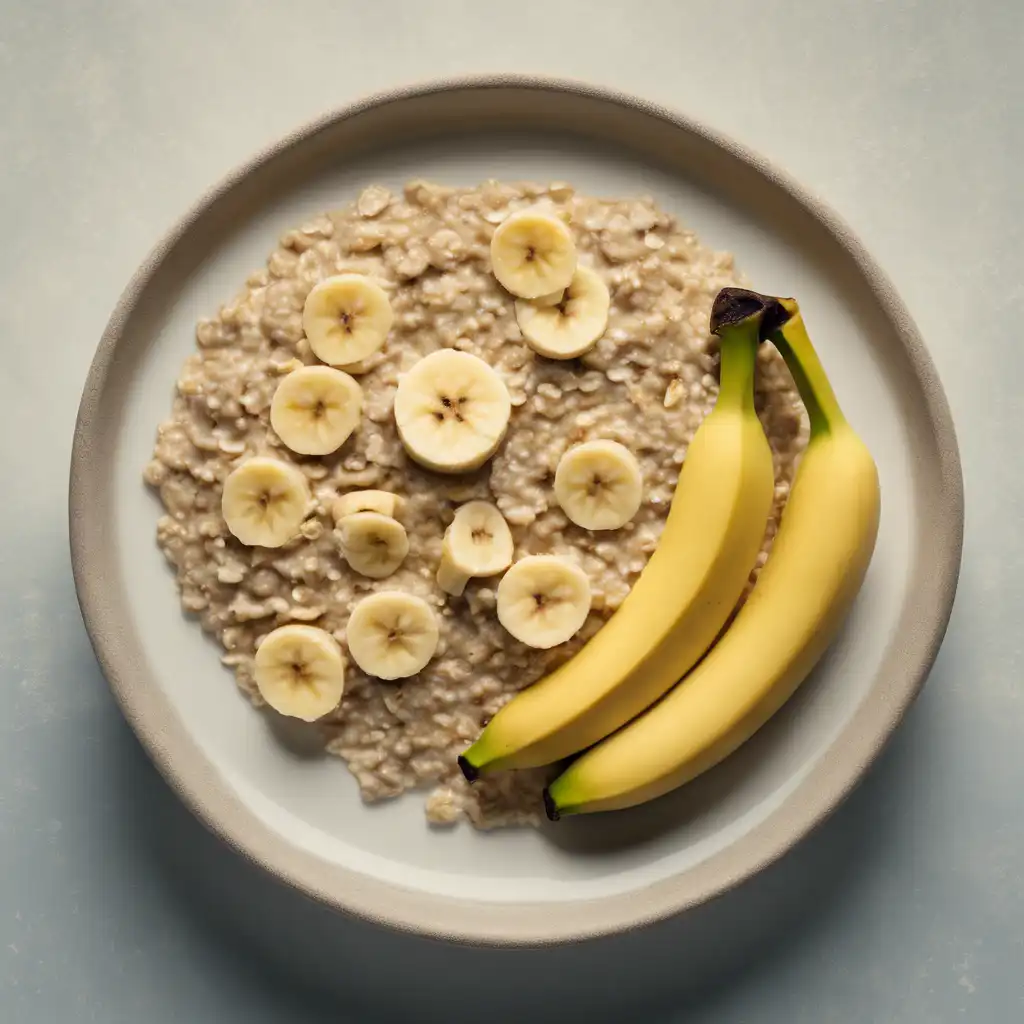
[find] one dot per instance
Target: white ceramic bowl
(300, 816)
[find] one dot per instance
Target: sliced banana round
(599, 485)
(477, 543)
(533, 253)
(451, 410)
(264, 502)
(571, 326)
(346, 318)
(315, 409)
(300, 671)
(543, 600)
(384, 502)
(391, 634)
(374, 545)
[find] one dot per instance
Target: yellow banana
(684, 595)
(815, 568)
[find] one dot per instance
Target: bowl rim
(180, 761)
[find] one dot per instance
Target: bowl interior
(311, 798)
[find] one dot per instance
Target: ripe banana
(599, 485)
(682, 598)
(346, 319)
(300, 671)
(384, 502)
(543, 600)
(373, 545)
(565, 325)
(451, 410)
(391, 634)
(477, 543)
(264, 501)
(315, 409)
(814, 571)
(533, 253)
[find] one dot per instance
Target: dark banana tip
(735, 305)
(471, 773)
(549, 807)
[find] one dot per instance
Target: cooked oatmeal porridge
(647, 383)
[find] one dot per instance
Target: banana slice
(477, 543)
(533, 254)
(599, 485)
(570, 326)
(346, 318)
(373, 545)
(543, 600)
(315, 409)
(384, 502)
(264, 502)
(300, 671)
(392, 635)
(451, 410)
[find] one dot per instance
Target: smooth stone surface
(115, 905)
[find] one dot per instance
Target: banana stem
(739, 361)
(794, 344)
(741, 318)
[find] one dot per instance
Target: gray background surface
(115, 906)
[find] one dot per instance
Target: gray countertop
(115, 905)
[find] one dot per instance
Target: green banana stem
(741, 318)
(794, 344)
(739, 360)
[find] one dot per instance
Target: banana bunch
(681, 600)
(816, 567)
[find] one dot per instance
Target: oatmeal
(646, 384)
